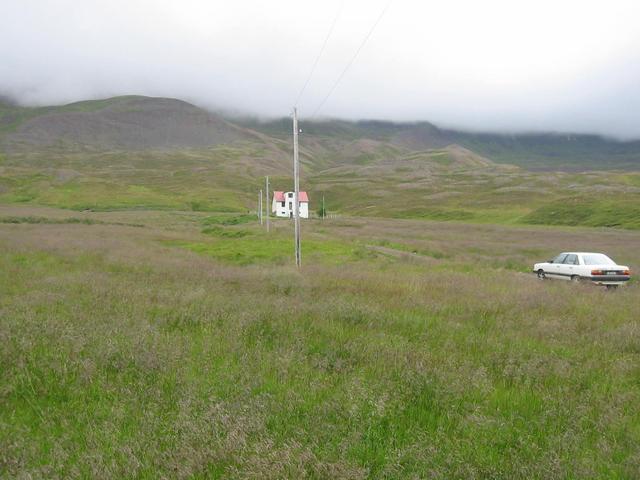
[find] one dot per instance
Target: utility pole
(260, 207)
(296, 187)
(266, 182)
(323, 210)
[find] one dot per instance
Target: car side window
(560, 258)
(571, 260)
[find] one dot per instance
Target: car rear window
(597, 259)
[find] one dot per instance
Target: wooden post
(296, 187)
(268, 203)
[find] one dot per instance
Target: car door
(554, 266)
(582, 269)
(569, 266)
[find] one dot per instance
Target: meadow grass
(429, 185)
(244, 247)
(604, 212)
(154, 353)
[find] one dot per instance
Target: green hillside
(155, 153)
(533, 151)
(554, 151)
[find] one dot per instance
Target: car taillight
(627, 272)
(597, 272)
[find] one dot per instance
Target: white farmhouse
(282, 204)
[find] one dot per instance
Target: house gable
(282, 204)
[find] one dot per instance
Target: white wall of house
(278, 208)
(286, 208)
(304, 209)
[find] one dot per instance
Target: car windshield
(559, 259)
(597, 259)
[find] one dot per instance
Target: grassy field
(182, 344)
(433, 185)
(150, 328)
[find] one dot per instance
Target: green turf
(125, 355)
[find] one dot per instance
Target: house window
(290, 205)
(290, 195)
(283, 204)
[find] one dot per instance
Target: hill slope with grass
(533, 151)
(136, 122)
(157, 153)
(132, 123)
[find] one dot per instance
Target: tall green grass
(606, 212)
(165, 352)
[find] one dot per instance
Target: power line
(353, 59)
(324, 45)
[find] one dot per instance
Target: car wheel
(611, 287)
(575, 278)
(541, 275)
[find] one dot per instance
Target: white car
(583, 266)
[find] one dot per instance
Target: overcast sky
(484, 65)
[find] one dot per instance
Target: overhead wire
(324, 45)
(353, 59)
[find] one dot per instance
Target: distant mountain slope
(145, 123)
(127, 123)
(158, 153)
(554, 151)
(540, 151)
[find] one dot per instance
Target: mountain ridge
(165, 154)
(139, 122)
(534, 151)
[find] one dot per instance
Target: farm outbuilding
(283, 205)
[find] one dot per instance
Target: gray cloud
(494, 65)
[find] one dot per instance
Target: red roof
(279, 196)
